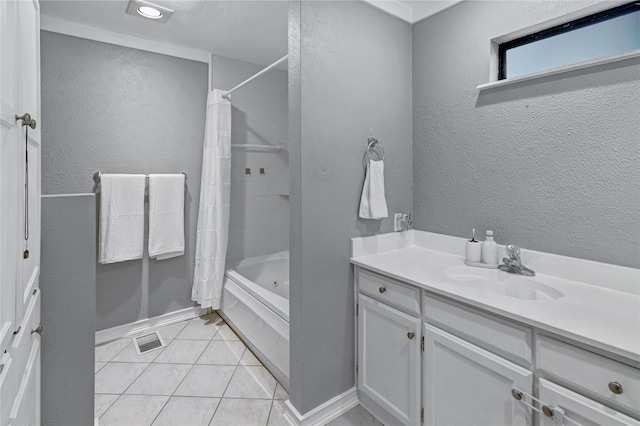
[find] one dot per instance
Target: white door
(389, 359)
(577, 408)
(466, 385)
(19, 212)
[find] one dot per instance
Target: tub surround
(581, 300)
(258, 311)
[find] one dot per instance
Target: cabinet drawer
(404, 297)
(578, 408)
(508, 340)
(591, 373)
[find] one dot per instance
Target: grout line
(107, 409)
(184, 378)
(234, 373)
(187, 322)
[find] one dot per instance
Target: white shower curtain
(213, 213)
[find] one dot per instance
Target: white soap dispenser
(489, 250)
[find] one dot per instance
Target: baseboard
(134, 328)
(324, 413)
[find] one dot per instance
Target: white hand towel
(166, 216)
(373, 204)
(121, 217)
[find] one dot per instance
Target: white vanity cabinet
(389, 348)
(425, 358)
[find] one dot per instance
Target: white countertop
(604, 314)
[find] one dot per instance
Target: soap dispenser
(489, 250)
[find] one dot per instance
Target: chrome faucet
(512, 263)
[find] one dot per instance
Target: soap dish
(481, 264)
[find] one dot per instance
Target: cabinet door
(26, 407)
(578, 408)
(466, 385)
(389, 359)
(19, 210)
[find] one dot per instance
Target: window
(607, 33)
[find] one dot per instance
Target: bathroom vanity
(442, 343)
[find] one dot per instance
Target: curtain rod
(258, 74)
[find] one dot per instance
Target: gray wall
(354, 72)
(259, 217)
(122, 110)
(67, 282)
(551, 165)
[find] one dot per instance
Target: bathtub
(255, 303)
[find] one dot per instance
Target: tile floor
(204, 376)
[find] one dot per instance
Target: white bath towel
(121, 217)
(373, 204)
(166, 216)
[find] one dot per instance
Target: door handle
(27, 120)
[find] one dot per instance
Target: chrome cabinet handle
(37, 330)
(411, 335)
(27, 120)
(516, 394)
(547, 411)
(382, 290)
(615, 387)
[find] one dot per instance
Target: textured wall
(121, 110)
(354, 74)
(68, 313)
(551, 165)
(259, 222)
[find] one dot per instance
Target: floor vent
(148, 342)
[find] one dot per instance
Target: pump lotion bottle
(489, 250)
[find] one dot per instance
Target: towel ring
(374, 146)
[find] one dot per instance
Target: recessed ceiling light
(149, 12)
(145, 9)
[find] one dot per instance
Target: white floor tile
(169, 332)
(206, 381)
(281, 393)
(98, 366)
(159, 379)
(203, 328)
(249, 359)
(129, 354)
(251, 382)
(115, 377)
(130, 410)
(357, 416)
(181, 411)
(182, 351)
(225, 333)
(106, 351)
(246, 412)
(223, 352)
(276, 418)
(102, 402)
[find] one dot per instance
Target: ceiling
(412, 10)
(251, 31)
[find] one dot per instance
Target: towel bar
(96, 176)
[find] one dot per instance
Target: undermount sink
(506, 284)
